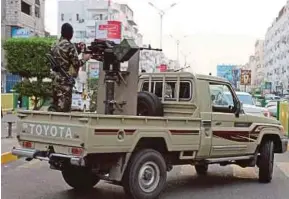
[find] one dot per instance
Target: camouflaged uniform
(66, 56)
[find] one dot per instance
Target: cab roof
(182, 74)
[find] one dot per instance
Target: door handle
(218, 123)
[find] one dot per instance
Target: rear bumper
(36, 154)
(284, 143)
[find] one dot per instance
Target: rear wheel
(79, 178)
(202, 169)
(146, 175)
(266, 161)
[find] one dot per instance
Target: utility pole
(162, 13)
(178, 41)
(185, 57)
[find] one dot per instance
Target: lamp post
(161, 13)
(178, 41)
(185, 56)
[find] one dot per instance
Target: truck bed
(104, 133)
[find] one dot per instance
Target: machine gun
(56, 68)
(112, 55)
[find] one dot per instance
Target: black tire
(266, 161)
(79, 178)
(148, 104)
(202, 169)
(154, 162)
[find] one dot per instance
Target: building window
(25, 8)
(37, 8)
(77, 17)
(62, 17)
(37, 11)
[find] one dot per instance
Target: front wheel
(266, 161)
(146, 175)
(79, 178)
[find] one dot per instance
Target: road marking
(284, 167)
(247, 173)
(7, 157)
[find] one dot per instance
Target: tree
(26, 58)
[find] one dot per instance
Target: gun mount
(120, 87)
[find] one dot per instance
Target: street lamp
(161, 13)
(185, 56)
(178, 45)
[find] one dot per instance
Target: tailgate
(45, 129)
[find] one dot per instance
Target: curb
(8, 157)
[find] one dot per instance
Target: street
(34, 180)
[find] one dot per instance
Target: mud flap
(117, 171)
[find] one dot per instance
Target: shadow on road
(178, 187)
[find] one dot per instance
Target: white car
(249, 105)
(76, 104)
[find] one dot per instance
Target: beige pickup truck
(180, 120)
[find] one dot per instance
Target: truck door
(230, 134)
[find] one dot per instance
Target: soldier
(66, 56)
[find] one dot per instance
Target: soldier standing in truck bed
(66, 56)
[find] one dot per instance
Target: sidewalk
(8, 143)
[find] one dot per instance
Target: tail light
(266, 113)
(76, 151)
(27, 144)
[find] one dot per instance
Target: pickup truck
(179, 121)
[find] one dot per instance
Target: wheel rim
(149, 177)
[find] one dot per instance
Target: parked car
(76, 104)
(250, 106)
(272, 106)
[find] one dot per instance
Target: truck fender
(272, 133)
(164, 136)
(116, 173)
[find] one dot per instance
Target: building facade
(276, 48)
(86, 16)
(19, 18)
(257, 65)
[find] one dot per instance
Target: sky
(211, 32)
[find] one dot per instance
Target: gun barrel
(154, 49)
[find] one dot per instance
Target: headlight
(266, 113)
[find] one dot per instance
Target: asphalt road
(34, 180)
